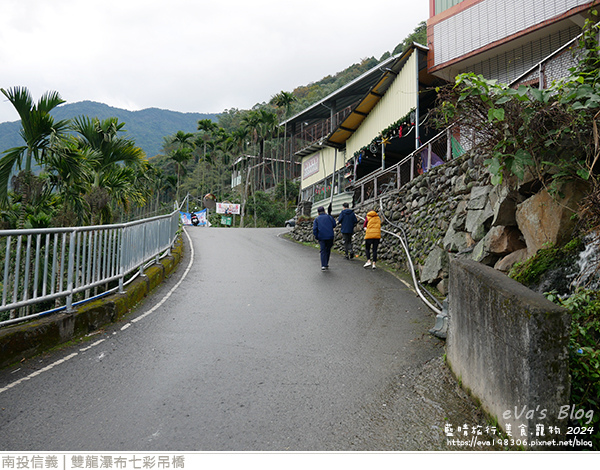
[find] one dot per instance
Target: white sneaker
(374, 267)
(367, 264)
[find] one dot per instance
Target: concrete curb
(26, 340)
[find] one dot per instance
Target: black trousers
(326, 246)
(348, 243)
(371, 243)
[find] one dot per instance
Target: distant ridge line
(147, 127)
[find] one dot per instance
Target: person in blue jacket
(347, 221)
(323, 232)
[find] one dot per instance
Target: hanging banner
(227, 208)
(186, 217)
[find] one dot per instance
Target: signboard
(186, 217)
(310, 166)
(227, 208)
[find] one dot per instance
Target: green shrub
(584, 358)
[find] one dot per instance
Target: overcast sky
(190, 56)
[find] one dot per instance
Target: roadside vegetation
(546, 138)
(85, 171)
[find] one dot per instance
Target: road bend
(249, 346)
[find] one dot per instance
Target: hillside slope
(147, 127)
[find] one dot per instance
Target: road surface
(249, 346)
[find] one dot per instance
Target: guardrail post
(17, 266)
(70, 272)
(429, 157)
(6, 269)
(143, 251)
(121, 262)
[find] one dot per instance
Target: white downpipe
(411, 266)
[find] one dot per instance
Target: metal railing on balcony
(453, 141)
(443, 147)
(554, 67)
(42, 270)
(314, 133)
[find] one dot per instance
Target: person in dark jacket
(323, 232)
(347, 220)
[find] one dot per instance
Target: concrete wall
(508, 346)
(26, 340)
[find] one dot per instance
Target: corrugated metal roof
(363, 93)
(373, 96)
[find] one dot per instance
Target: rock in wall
(453, 210)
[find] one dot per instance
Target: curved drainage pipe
(440, 310)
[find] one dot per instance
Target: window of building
(443, 5)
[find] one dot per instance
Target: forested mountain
(306, 95)
(147, 127)
(65, 181)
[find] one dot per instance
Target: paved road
(256, 349)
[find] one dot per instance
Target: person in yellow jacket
(372, 226)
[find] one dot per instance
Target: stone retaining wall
(453, 210)
(424, 209)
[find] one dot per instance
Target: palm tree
(183, 139)
(160, 184)
(207, 125)
(285, 100)
(115, 162)
(67, 171)
(37, 129)
(266, 126)
(182, 153)
(226, 147)
(239, 137)
(206, 139)
(37, 125)
(180, 156)
(251, 121)
(260, 124)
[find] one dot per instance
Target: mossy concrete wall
(508, 346)
(29, 339)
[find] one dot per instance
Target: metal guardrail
(42, 269)
(314, 133)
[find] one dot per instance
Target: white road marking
(38, 372)
(166, 297)
(70, 356)
(92, 345)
